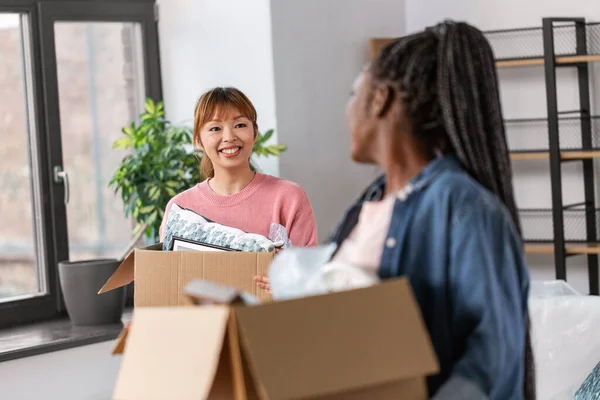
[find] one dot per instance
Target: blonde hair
(219, 100)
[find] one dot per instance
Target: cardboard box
(160, 276)
(367, 343)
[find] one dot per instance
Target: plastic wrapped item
(278, 234)
(300, 272)
(546, 289)
(188, 224)
(565, 337)
(337, 277)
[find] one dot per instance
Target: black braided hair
(447, 78)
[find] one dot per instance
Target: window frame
(46, 136)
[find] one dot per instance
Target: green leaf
(137, 228)
(146, 209)
(154, 193)
(267, 136)
(150, 106)
(123, 143)
(152, 218)
(128, 130)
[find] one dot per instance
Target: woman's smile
(230, 152)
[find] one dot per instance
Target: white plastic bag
(547, 289)
(301, 272)
(565, 329)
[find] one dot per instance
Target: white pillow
(187, 224)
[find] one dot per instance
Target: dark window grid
(41, 17)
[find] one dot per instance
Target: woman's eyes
(218, 128)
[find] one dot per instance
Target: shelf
(376, 44)
(564, 60)
(538, 226)
(537, 248)
(564, 155)
(571, 248)
(531, 135)
(529, 156)
(583, 248)
(527, 62)
(525, 46)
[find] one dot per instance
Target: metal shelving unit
(533, 138)
(524, 47)
(572, 135)
(538, 224)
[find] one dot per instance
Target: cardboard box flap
(121, 277)
(172, 353)
(119, 347)
(338, 342)
(203, 292)
(125, 272)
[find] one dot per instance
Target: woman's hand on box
(262, 282)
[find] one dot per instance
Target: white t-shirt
(364, 246)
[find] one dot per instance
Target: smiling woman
(225, 129)
(234, 195)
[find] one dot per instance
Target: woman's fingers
(262, 282)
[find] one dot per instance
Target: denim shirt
(462, 253)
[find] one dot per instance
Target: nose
(228, 135)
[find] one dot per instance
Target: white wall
(523, 95)
(207, 43)
(319, 46)
(496, 14)
(82, 373)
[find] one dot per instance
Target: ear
(382, 99)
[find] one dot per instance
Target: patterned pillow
(187, 224)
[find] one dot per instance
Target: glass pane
(100, 91)
(18, 256)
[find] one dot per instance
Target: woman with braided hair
(427, 111)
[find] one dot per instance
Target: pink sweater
(268, 204)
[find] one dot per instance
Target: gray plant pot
(80, 282)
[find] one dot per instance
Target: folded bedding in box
(187, 224)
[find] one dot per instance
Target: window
(72, 74)
(20, 263)
(100, 87)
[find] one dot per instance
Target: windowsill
(55, 335)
